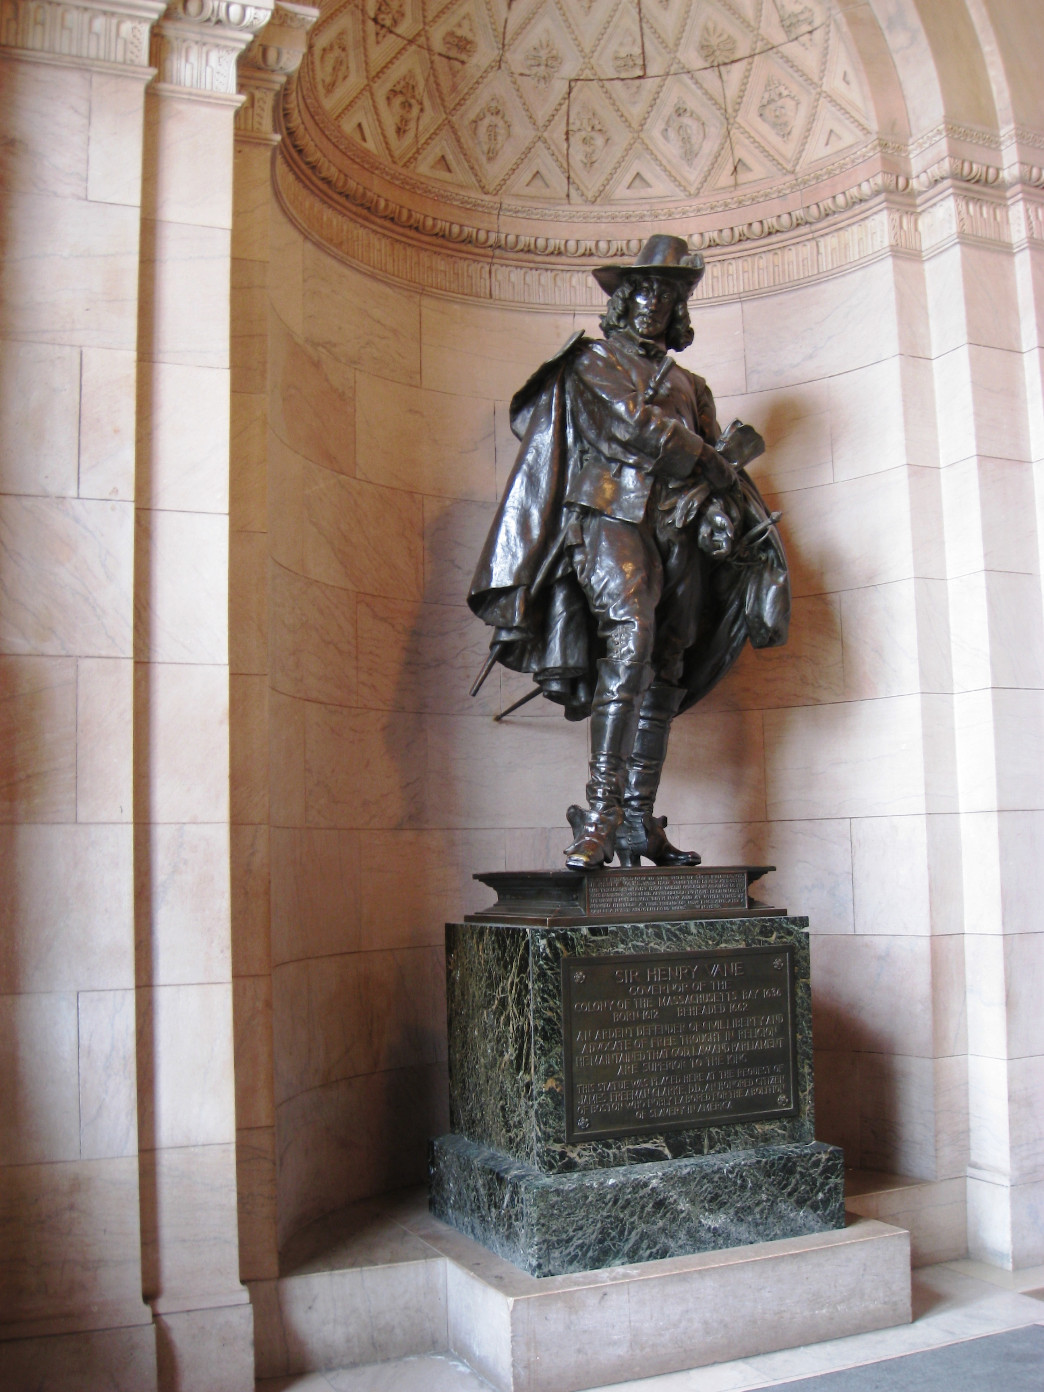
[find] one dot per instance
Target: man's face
(651, 304)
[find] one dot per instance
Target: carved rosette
(112, 32)
(196, 43)
(274, 54)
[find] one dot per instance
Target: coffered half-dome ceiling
(552, 128)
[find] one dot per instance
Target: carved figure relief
(334, 63)
(778, 107)
(542, 61)
(686, 132)
(491, 129)
(405, 103)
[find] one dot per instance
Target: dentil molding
(197, 42)
(112, 32)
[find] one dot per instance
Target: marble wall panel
(795, 424)
(286, 250)
(66, 914)
(181, 612)
(990, 517)
(66, 576)
(248, 602)
(104, 775)
(114, 153)
(890, 875)
(38, 1079)
(998, 633)
(821, 329)
(121, 1359)
(850, 535)
(358, 535)
(1024, 973)
(108, 379)
(37, 739)
(422, 657)
(972, 298)
(364, 768)
(69, 273)
(540, 768)
(911, 306)
(920, 411)
(1000, 737)
(315, 893)
(251, 893)
(313, 641)
(950, 1080)
(326, 1159)
(256, 1192)
(252, 200)
(360, 320)
(946, 872)
(247, 475)
(949, 999)
(70, 1241)
(718, 351)
(187, 177)
(992, 420)
(311, 400)
(837, 1101)
(183, 425)
(430, 442)
(856, 759)
(989, 1117)
(867, 428)
(248, 762)
(487, 349)
(454, 532)
(813, 860)
(715, 770)
(39, 418)
(897, 1114)
(872, 994)
(212, 1348)
(411, 883)
(252, 1016)
(987, 988)
(185, 725)
(46, 114)
(184, 279)
(188, 1224)
(286, 760)
(359, 1013)
(953, 393)
(249, 325)
(108, 1089)
(185, 1066)
(1026, 1111)
(882, 640)
(182, 888)
(810, 669)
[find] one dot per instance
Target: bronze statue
(631, 556)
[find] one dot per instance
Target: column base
(555, 1224)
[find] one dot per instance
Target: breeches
(643, 585)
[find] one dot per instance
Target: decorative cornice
(111, 33)
(196, 43)
(274, 54)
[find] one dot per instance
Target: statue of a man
(631, 556)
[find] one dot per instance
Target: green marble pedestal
(517, 1176)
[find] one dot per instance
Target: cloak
(547, 629)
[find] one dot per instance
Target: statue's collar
(634, 343)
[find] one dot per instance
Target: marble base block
(554, 1224)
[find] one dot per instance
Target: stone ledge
(555, 1224)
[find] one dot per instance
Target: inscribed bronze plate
(662, 1041)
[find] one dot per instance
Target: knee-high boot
(614, 717)
(642, 834)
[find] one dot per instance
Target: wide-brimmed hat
(662, 255)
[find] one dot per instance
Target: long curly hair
(679, 328)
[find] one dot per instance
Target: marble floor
(953, 1302)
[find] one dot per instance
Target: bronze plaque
(661, 1041)
(680, 892)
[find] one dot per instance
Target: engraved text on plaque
(662, 1041)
